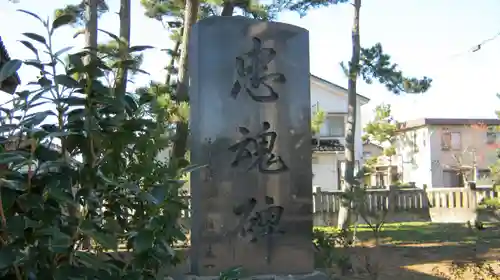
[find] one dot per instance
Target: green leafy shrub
(328, 256)
(79, 175)
(490, 203)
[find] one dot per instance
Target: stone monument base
(316, 275)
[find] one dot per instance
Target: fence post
(391, 199)
(425, 195)
(471, 188)
(473, 191)
(317, 197)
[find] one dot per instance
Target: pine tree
(371, 64)
(381, 130)
(177, 17)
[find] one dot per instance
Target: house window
(445, 140)
(491, 137)
(452, 179)
(483, 173)
(451, 140)
(334, 126)
(456, 141)
(380, 179)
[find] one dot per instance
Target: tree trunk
(227, 8)
(121, 79)
(171, 64)
(181, 92)
(91, 43)
(390, 172)
(349, 181)
(91, 27)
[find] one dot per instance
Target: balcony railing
(333, 145)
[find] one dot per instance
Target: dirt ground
(419, 261)
(408, 256)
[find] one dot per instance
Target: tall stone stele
(250, 124)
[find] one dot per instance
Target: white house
(439, 152)
(328, 153)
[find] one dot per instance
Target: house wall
(413, 157)
(333, 100)
(325, 172)
(471, 139)
(325, 164)
(426, 164)
(370, 150)
(435, 155)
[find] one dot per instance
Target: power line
(442, 63)
(477, 47)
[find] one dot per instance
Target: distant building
(372, 150)
(384, 172)
(446, 152)
(11, 83)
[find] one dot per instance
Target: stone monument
(250, 124)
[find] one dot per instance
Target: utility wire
(477, 47)
(416, 98)
(442, 63)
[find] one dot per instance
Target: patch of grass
(490, 203)
(420, 232)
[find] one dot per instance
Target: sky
(431, 38)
